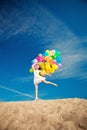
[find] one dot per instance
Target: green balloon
(53, 57)
(57, 53)
(30, 70)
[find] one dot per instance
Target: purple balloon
(59, 65)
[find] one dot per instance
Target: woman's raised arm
(33, 67)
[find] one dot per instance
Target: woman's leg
(47, 82)
(36, 91)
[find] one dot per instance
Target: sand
(62, 114)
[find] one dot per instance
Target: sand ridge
(61, 114)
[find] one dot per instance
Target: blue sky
(28, 28)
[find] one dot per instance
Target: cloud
(17, 92)
(40, 23)
(35, 21)
(23, 79)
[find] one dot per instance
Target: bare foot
(36, 99)
(55, 84)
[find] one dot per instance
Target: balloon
(45, 54)
(58, 59)
(35, 61)
(40, 55)
(52, 70)
(57, 52)
(47, 51)
(59, 65)
(47, 66)
(32, 61)
(53, 56)
(54, 66)
(53, 62)
(31, 70)
(42, 65)
(39, 59)
(49, 61)
(53, 51)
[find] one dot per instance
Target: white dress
(37, 77)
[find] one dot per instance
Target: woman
(38, 78)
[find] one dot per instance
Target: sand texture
(62, 114)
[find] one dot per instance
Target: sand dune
(64, 114)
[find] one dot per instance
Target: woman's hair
(39, 68)
(37, 65)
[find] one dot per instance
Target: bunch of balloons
(49, 61)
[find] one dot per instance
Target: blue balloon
(45, 54)
(32, 61)
(58, 59)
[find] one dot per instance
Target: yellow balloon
(47, 66)
(47, 71)
(54, 66)
(51, 53)
(47, 51)
(42, 65)
(51, 70)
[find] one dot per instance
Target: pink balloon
(40, 59)
(53, 51)
(35, 61)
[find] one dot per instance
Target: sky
(28, 28)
